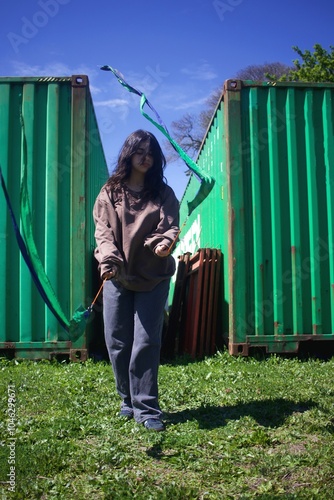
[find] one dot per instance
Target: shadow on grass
(268, 413)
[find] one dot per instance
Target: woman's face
(141, 161)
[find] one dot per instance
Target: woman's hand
(109, 275)
(161, 251)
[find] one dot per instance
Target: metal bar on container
(215, 307)
(51, 202)
(197, 266)
(295, 220)
(78, 163)
(63, 168)
(205, 294)
(217, 217)
(311, 172)
(328, 126)
(210, 330)
(256, 210)
(4, 228)
(13, 185)
(275, 205)
(235, 213)
(27, 141)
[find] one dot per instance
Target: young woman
(136, 218)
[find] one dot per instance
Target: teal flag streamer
(206, 181)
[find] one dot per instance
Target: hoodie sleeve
(106, 227)
(168, 226)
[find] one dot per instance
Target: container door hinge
(79, 81)
(234, 85)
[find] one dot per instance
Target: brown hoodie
(128, 229)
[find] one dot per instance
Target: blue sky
(177, 51)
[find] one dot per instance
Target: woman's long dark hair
(154, 177)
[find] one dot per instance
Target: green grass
(237, 428)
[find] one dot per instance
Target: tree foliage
(187, 133)
(313, 67)
(189, 130)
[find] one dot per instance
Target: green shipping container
(66, 168)
(270, 148)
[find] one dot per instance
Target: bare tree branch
(190, 129)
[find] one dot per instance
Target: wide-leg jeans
(133, 324)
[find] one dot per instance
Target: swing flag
(206, 181)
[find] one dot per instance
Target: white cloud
(94, 90)
(202, 71)
(143, 82)
(179, 98)
(58, 69)
(191, 104)
(111, 103)
(112, 109)
(51, 69)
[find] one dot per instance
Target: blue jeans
(132, 327)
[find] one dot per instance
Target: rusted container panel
(270, 147)
(65, 170)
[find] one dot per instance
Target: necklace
(137, 188)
